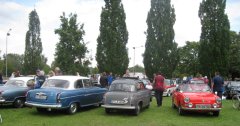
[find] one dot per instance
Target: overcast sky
(14, 14)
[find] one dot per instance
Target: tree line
(217, 49)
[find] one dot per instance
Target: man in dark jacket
(217, 84)
(103, 80)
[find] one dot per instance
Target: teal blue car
(14, 91)
(65, 92)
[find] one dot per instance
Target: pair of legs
(158, 95)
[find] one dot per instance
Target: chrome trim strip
(118, 107)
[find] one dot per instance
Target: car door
(81, 92)
(91, 93)
(144, 94)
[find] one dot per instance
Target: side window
(87, 83)
(140, 86)
(79, 84)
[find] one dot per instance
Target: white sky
(14, 14)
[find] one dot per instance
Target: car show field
(96, 116)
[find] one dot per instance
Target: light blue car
(14, 91)
(65, 92)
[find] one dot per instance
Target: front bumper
(118, 107)
(55, 106)
(201, 109)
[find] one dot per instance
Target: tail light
(58, 98)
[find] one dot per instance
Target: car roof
(126, 80)
(22, 78)
(68, 77)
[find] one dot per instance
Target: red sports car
(196, 97)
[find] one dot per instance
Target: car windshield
(167, 82)
(196, 82)
(19, 83)
(122, 87)
(55, 83)
(195, 88)
(235, 84)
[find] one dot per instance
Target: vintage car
(169, 87)
(14, 91)
(128, 94)
(65, 92)
(196, 97)
(232, 88)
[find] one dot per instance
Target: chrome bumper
(2, 100)
(43, 105)
(118, 107)
(202, 109)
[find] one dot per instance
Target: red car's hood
(201, 97)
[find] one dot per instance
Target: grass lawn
(95, 116)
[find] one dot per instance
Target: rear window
(195, 88)
(122, 87)
(56, 83)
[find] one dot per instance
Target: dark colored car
(128, 94)
(231, 89)
(14, 91)
(65, 92)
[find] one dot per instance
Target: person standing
(217, 84)
(110, 79)
(159, 88)
(39, 79)
(127, 74)
(103, 80)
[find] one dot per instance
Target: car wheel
(72, 108)
(41, 109)
(180, 110)
(173, 105)
(18, 103)
(216, 113)
(168, 94)
(108, 110)
(148, 105)
(137, 110)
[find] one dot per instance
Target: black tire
(180, 111)
(41, 109)
(137, 110)
(236, 102)
(173, 105)
(107, 110)
(72, 108)
(18, 103)
(216, 113)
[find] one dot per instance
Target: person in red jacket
(159, 88)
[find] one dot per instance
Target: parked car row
(73, 92)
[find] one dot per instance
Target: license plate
(41, 97)
(203, 106)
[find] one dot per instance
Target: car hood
(201, 97)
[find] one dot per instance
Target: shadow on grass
(192, 114)
(123, 113)
(59, 112)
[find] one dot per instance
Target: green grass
(95, 116)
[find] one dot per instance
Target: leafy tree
(112, 55)
(188, 62)
(137, 68)
(15, 63)
(234, 55)
(161, 53)
(215, 37)
(71, 48)
(33, 58)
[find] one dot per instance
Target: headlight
(218, 100)
(186, 99)
(190, 105)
